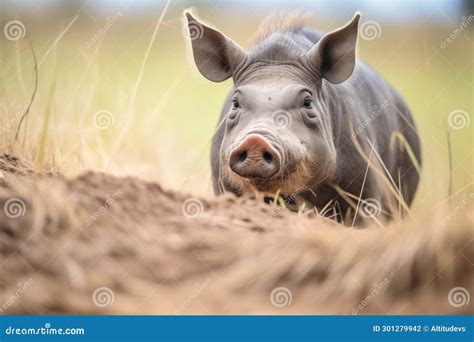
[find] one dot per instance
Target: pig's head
(278, 131)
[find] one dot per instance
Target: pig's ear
(335, 54)
(215, 55)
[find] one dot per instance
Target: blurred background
(117, 90)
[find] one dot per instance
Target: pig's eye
(235, 104)
(308, 103)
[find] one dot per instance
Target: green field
(163, 112)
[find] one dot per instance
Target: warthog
(307, 119)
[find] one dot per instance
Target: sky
(396, 10)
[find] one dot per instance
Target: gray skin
(318, 111)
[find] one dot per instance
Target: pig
(308, 120)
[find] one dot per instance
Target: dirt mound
(101, 244)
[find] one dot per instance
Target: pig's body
(364, 108)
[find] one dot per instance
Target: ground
(100, 244)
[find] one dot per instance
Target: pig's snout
(255, 158)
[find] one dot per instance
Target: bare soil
(231, 255)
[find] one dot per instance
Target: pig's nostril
(243, 156)
(254, 158)
(268, 157)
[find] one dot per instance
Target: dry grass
(226, 260)
(141, 73)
